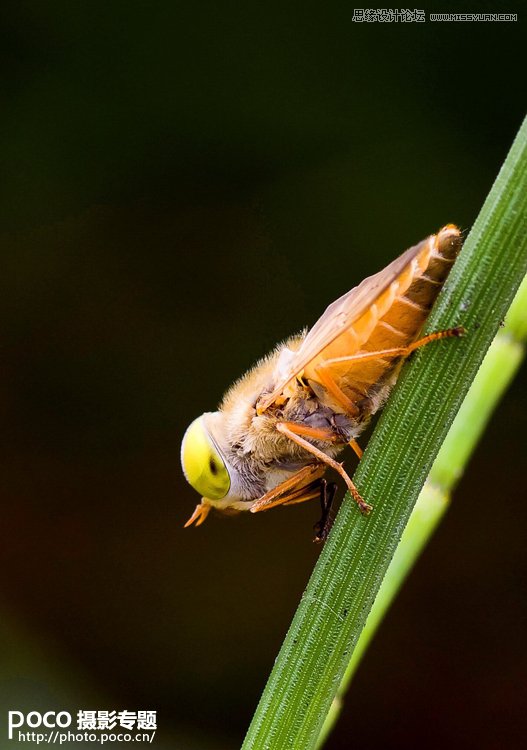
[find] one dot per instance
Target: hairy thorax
(261, 454)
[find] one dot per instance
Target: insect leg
(291, 429)
(400, 351)
(317, 433)
(356, 448)
(288, 491)
(338, 394)
(436, 336)
(306, 493)
(327, 495)
(327, 435)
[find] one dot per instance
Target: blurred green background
(183, 185)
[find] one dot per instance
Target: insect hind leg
(352, 408)
(400, 351)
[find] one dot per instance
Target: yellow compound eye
(202, 464)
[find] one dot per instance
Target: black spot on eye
(212, 466)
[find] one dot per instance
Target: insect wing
(359, 308)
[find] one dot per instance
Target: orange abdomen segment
(394, 320)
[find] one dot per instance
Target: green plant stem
(399, 456)
(497, 370)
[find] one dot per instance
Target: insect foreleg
(292, 430)
(290, 491)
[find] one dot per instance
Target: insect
(281, 426)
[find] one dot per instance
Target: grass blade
(349, 572)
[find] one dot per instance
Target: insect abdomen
(402, 318)
(402, 322)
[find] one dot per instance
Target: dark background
(183, 185)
